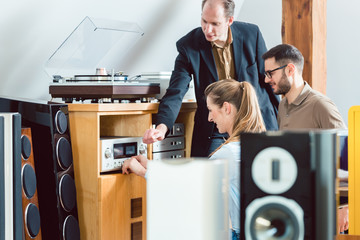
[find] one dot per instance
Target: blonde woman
(234, 108)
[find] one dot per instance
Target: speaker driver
(274, 217)
(32, 220)
(25, 147)
(283, 170)
(64, 153)
(60, 121)
(67, 192)
(28, 180)
(71, 229)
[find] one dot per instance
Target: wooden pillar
(304, 26)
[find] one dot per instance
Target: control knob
(107, 153)
(142, 149)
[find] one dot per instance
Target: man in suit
(220, 49)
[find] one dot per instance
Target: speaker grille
(71, 229)
(60, 122)
(67, 192)
(32, 220)
(25, 147)
(64, 153)
(28, 180)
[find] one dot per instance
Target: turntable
(93, 47)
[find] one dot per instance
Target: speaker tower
(288, 185)
(53, 163)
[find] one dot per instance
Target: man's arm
(171, 102)
(328, 115)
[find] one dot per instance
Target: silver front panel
(115, 150)
(169, 144)
(169, 155)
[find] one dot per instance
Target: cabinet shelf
(105, 202)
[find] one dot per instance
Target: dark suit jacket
(196, 58)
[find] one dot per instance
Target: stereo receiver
(115, 150)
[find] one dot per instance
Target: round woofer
(274, 217)
(60, 122)
(63, 153)
(28, 180)
(32, 220)
(67, 192)
(25, 147)
(71, 229)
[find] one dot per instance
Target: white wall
(30, 31)
(343, 52)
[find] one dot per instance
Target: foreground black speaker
(53, 164)
(10, 177)
(288, 185)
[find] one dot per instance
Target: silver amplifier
(115, 150)
(169, 144)
(169, 155)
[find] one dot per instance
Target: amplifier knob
(107, 153)
(142, 149)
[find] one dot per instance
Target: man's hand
(153, 135)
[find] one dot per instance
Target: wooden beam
(304, 26)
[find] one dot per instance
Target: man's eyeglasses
(268, 73)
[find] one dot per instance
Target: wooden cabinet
(113, 206)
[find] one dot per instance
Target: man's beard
(283, 85)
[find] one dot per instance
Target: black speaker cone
(28, 180)
(25, 147)
(67, 192)
(274, 221)
(64, 153)
(60, 122)
(32, 220)
(71, 230)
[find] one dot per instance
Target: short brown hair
(285, 54)
(229, 6)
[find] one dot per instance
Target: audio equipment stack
(30, 204)
(53, 163)
(10, 173)
(173, 146)
(288, 185)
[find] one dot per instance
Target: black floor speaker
(288, 185)
(30, 204)
(10, 177)
(53, 163)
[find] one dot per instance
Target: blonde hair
(243, 96)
